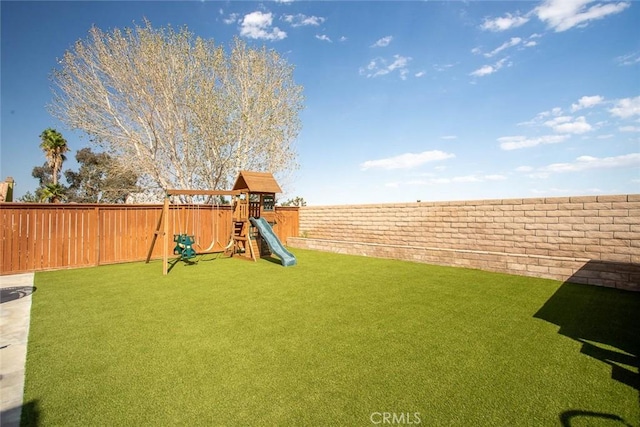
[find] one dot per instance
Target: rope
(214, 238)
(179, 221)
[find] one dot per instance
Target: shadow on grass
(607, 323)
(589, 417)
(173, 263)
(30, 414)
(272, 259)
(27, 415)
(200, 257)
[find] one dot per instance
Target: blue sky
(404, 100)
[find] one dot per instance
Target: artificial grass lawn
(330, 341)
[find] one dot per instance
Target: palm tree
(54, 147)
(53, 193)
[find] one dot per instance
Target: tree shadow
(15, 292)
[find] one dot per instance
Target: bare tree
(178, 108)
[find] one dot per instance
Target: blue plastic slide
(286, 258)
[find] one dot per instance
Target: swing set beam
(164, 219)
(203, 192)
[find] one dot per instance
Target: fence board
(287, 223)
(47, 236)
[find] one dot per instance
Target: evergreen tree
(99, 179)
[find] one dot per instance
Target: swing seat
(188, 253)
(184, 246)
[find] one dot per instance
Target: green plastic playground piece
(184, 246)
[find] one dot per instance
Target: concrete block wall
(592, 239)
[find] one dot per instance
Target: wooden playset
(253, 212)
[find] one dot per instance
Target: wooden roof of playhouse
(257, 182)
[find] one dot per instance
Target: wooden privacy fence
(51, 236)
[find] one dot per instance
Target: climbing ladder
(242, 243)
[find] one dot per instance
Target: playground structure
(253, 213)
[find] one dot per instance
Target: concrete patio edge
(15, 311)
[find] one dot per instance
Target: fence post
(96, 212)
(165, 240)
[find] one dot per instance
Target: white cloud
(231, 19)
(630, 59)
(587, 102)
(550, 191)
(513, 42)
(443, 67)
(629, 128)
(380, 67)
(258, 25)
(485, 70)
(448, 137)
(540, 118)
(524, 169)
(626, 107)
(323, 37)
(567, 124)
(407, 160)
(562, 15)
(583, 163)
(420, 74)
(383, 42)
(495, 177)
(518, 142)
(399, 62)
(464, 179)
(504, 23)
(556, 111)
(301, 20)
(343, 39)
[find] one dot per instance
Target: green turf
(335, 340)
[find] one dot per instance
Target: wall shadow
(605, 321)
(15, 292)
(620, 275)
